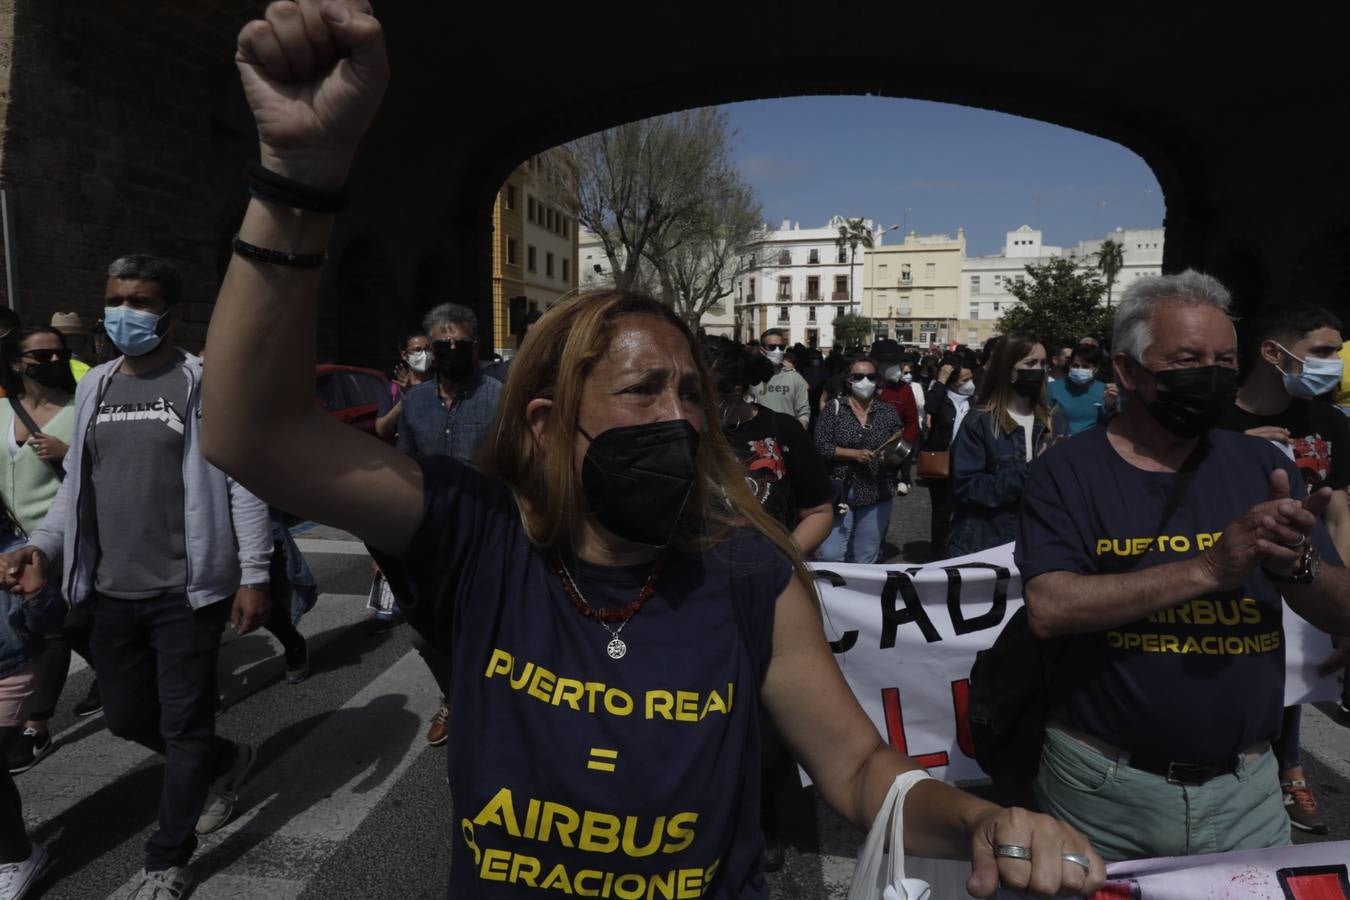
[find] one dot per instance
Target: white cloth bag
(881, 875)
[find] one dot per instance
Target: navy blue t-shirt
(1199, 682)
(572, 771)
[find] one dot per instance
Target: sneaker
(439, 732)
(224, 791)
(17, 878)
(92, 704)
(902, 489)
(172, 883)
(1301, 805)
(297, 663)
(28, 751)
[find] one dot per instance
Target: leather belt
(1180, 773)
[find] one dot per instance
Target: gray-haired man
(1158, 550)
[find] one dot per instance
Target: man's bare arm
(1063, 603)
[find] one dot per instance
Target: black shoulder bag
(1010, 681)
(33, 429)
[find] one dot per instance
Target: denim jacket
(988, 474)
(23, 623)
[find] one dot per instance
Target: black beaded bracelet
(278, 257)
(267, 185)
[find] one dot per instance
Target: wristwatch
(1309, 565)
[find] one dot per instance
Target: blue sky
(932, 167)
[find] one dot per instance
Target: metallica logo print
(158, 410)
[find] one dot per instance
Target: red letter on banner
(895, 730)
(1315, 882)
(961, 703)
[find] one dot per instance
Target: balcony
(904, 281)
(839, 297)
(812, 297)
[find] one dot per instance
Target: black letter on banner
(850, 638)
(892, 618)
(991, 619)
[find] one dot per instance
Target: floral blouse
(838, 426)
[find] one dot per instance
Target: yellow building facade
(912, 290)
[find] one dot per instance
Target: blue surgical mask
(1081, 376)
(133, 331)
(1318, 376)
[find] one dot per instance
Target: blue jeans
(155, 661)
(857, 535)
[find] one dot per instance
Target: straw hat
(69, 323)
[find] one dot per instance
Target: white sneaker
(172, 883)
(224, 791)
(902, 489)
(17, 878)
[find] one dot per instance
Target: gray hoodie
(226, 529)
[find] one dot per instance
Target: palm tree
(852, 234)
(1110, 259)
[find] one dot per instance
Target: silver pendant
(616, 649)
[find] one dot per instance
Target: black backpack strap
(33, 429)
(1185, 475)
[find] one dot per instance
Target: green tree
(1110, 260)
(852, 330)
(854, 233)
(1058, 302)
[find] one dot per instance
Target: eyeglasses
(45, 356)
(859, 376)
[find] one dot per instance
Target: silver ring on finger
(1079, 859)
(1012, 851)
(1302, 539)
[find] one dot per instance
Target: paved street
(347, 800)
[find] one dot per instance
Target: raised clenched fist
(313, 73)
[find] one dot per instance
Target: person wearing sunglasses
(849, 433)
(38, 420)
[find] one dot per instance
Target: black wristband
(267, 185)
(278, 257)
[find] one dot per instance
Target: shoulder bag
(33, 429)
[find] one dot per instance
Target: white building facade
(985, 279)
(804, 282)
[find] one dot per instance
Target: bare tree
(639, 186)
(701, 259)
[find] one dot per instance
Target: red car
(350, 394)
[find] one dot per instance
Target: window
(782, 313)
(881, 298)
(548, 219)
(567, 227)
(813, 287)
(974, 310)
(930, 271)
(810, 314)
(905, 275)
(784, 288)
(840, 287)
(511, 252)
(329, 390)
(1020, 279)
(750, 291)
(839, 311)
(510, 196)
(364, 390)
(785, 257)
(843, 255)
(995, 306)
(529, 209)
(974, 284)
(567, 270)
(814, 258)
(529, 259)
(927, 301)
(548, 264)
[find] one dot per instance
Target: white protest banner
(905, 638)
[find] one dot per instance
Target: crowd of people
(601, 545)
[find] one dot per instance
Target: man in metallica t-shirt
(1157, 550)
(1290, 359)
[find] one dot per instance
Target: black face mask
(1029, 382)
(637, 479)
(54, 374)
(454, 359)
(1190, 401)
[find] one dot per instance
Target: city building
(534, 249)
(985, 279)
(802, 283)
(912, 290)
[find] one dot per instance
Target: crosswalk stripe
(354, 743)
(326, 545)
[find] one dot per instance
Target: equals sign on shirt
(602, 760)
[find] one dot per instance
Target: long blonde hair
(559, 354)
